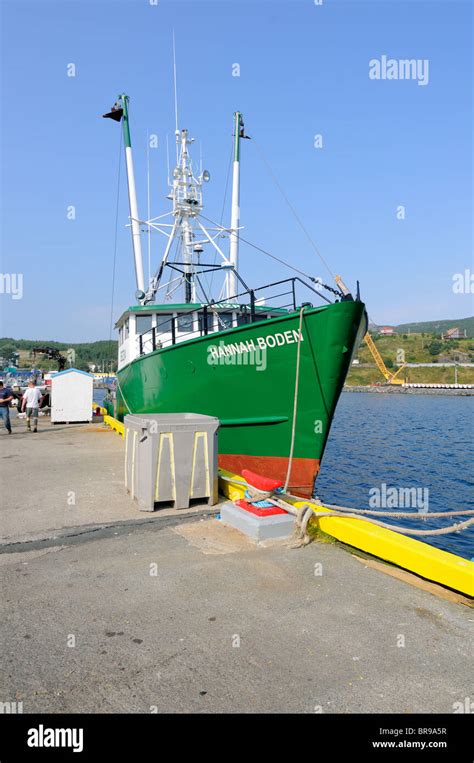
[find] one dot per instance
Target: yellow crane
(390, 377)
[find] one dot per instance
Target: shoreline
(386, 389)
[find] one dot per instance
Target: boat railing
(169, 334)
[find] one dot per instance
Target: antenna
(148, 200)
(168, 158)
(175, 95)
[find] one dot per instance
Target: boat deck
(224, 625)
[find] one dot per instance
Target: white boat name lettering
(261, 343)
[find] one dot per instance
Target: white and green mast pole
(132, 198)
(235, 214)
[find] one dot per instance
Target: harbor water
(404, 442)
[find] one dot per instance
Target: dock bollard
(171, 459)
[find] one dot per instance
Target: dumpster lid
(170, 419)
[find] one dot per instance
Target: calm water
(404, 441)
(99, 395)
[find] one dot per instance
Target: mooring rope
(404, 514)
(295, 401)
(306, 512)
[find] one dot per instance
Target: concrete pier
(105, 609)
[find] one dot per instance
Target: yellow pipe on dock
(115, 424)
(432, 563)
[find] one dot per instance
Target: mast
(120, 112)
(235, 215)
(132, 198)
(186, 227)
(189, 196)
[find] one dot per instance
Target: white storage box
(71, 396)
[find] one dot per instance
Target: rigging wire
(260, 249)
(168, 158)
(264, 251)
(291, 207)
(115, 238)
(172, 258)
(175, 94)
(226, 184)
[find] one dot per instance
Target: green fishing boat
(269, 365)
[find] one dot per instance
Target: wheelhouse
(146, 328)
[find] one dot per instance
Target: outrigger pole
(232, 286)
(120, 112)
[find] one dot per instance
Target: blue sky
(304, 70)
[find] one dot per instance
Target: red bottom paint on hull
(303, 470)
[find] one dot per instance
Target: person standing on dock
(6, 395)
(31, 401)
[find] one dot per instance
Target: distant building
(454, 333)
(387, 331)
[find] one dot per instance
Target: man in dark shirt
(5, 397)
(17, 397)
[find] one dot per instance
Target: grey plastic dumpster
(171, 459)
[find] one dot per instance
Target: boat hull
(246, 377)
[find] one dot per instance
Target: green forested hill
(425, 347)
(437, 327)
(98, 353)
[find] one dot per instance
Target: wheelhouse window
(126, 329)
(243, 319)
(121, 335)
(210, 322)
(163, 323)
(185, 323)
(143, 324)
(225, 320)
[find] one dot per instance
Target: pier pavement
(106, 609)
